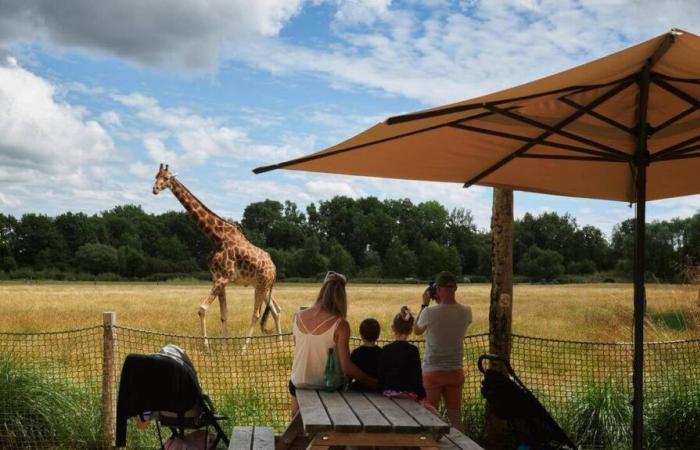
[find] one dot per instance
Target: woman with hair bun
(400, 368)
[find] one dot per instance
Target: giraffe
(233, 259)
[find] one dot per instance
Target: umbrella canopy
(572, 133)
(624, 127)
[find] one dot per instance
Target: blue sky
(94, 95)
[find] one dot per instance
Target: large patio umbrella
(624, 127)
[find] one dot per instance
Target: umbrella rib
(459, 108)
(557, 129)
(678, 153)
(303, 159)
(677, 79)
(571, 158)
(686, 156)
(675, 91)
(694, 103)
(520, 138)
(674, 119)
(672, 150)
(598, 116)
(549, 131)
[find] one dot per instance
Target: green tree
(434, 258)
(399, 261)
(131, 261)
(76, 229)
(97, 258)
(259, 217)
(541, 264)
(38, 243)
(309, 261)
(340, 260)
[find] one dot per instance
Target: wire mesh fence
(51, 385)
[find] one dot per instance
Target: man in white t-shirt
(445, 324)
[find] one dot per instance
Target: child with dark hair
(368, 355)
(400, 368)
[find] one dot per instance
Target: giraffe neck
(212, 225)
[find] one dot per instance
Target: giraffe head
(163, 179)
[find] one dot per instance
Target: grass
(593, 312)
(40, 412)
(597, 312)
(600, 416)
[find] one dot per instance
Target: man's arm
(418, 330)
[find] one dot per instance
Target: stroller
(533, 427)
(165, 384)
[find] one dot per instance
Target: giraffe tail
(266, 315)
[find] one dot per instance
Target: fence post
(109, 413)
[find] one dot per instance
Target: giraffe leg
(223, 309)
(257, 306)
(276, 313)
(203, 311)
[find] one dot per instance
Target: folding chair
(165, 384)
(510, 400)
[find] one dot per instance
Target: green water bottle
(329, 375)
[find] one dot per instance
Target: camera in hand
(432, 290)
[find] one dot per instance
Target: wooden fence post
(109, 412)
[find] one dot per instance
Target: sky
(94, 95)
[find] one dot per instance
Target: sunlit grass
(598, 312)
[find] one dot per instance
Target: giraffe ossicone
(233, 259)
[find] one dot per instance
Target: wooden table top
(356, 412)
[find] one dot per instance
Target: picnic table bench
(368, 419)
(252, 438)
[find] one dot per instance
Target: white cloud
(186, 34)
(40, 133)
(110, 118)
(448, 54)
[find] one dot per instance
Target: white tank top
(311, 354)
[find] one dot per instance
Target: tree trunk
(501, 309)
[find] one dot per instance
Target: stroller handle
(493, 357)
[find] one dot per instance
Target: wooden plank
(371, 419)
(340, 412)
(427, 420)
(241, 437)
(313, 414)
(294, 430)
(365, 439)
(459, 441)
(263, 438)
(398, 418)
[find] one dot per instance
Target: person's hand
(426, 297)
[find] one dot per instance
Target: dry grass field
(595, 312)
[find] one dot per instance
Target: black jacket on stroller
(510, 400)
(165, 381)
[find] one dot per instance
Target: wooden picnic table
(366, 419)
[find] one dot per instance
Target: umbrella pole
(640, 162)
(639, 309)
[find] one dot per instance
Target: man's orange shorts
(446, 384)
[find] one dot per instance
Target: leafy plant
(673, 419)
(600, 416)
(41, 412)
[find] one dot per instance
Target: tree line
(366, 238)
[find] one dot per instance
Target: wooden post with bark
(501, 306)
(109, 350)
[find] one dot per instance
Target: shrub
(41, 412)
(97, 258)
(673, 419)
(600, 416)
(541, 264)
(583, 267)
